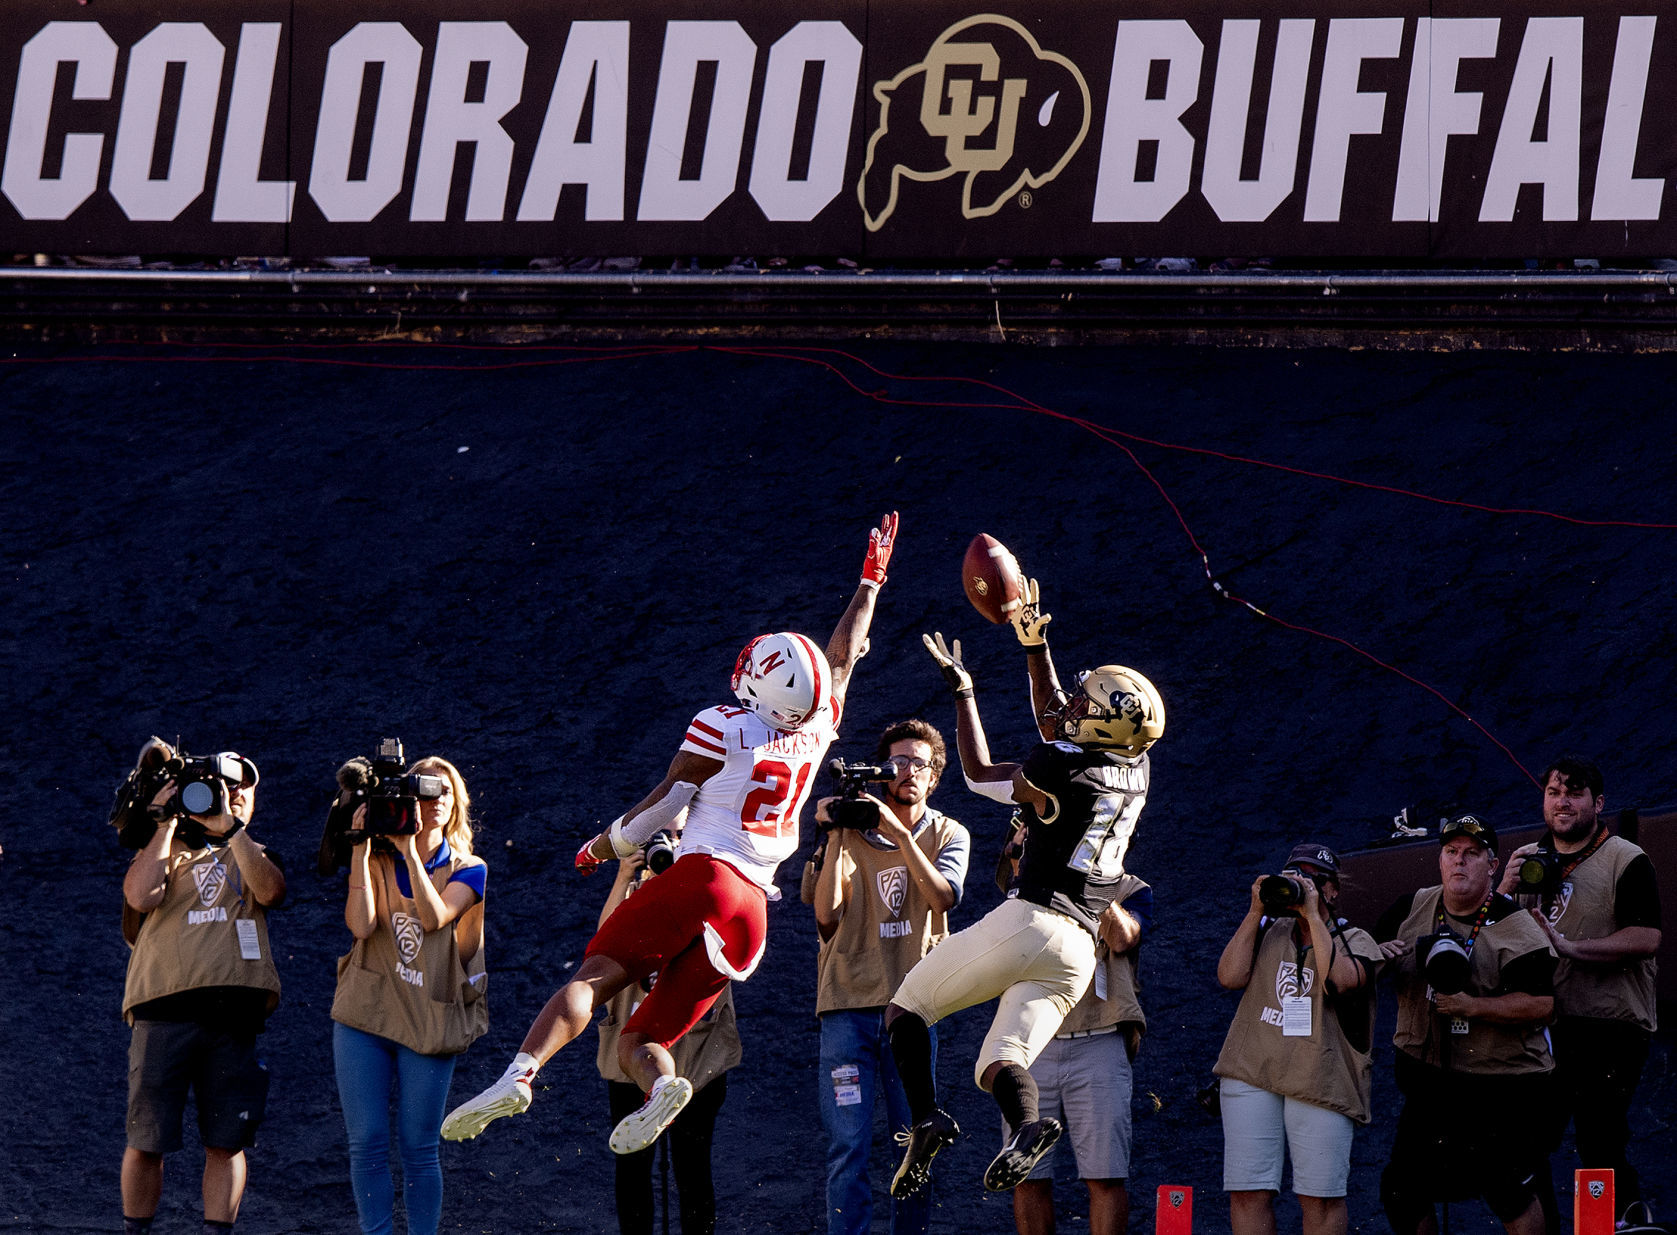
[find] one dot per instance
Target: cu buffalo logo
(409, 935)
(893, 886)
(1132, 707)
(987, 103)
(210, 880)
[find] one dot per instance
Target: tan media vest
(1122, 1005)
(887, 924)
(1485, 1047)
(412, 985)
(1323, 1069)
(191, 940)
(704, 1052)
(1612, 990)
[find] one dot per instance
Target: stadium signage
(918, 132)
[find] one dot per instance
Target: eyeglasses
(910, 763)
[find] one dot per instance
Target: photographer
(1296, 1069)
(410, 995)
(201, 978)
(1475, 979)
(1595, 896)
(703, 1056)
(882, 887)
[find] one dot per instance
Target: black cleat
(921, 1143)
(1021, 1154)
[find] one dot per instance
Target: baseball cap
(1312, 854)
(1467, 825)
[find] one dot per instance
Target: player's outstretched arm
(1030, 624)
(657, 809)
(850, 637)
(983, 776)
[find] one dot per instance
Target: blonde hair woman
(410, 997)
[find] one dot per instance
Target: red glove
(880, 543)
(586, 862)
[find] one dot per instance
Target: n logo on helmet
(988, 103)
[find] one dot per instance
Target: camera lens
(197, 798)
(1280, 892)
(1534, 872)
(1446, 966)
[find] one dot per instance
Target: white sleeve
(995, 790)
(627, 834)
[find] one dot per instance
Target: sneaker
(1021, 1154)
(508, 1096)
(637, 1130)
(921, 1143)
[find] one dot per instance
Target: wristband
(871, 584)
(964, 693)
(1036, 649)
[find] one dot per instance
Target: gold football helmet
(1113, 708)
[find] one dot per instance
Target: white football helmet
(783, 678)
(1113, 708)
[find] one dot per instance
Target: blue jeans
(856, 1039)
(366, 1065)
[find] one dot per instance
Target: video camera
(202, 789)
(391, 795)
(851, 810)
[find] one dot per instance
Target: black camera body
(1443, 960)
(1540, 873)
(391, 795)
(1281, 894)
(852, 810)
(661, 850)
(202, 784)
(203, 787)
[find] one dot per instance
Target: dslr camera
(1284, 893)
(391, 794)
(852, 810)
(1540, 873)
(1443, 961)
(661, 850)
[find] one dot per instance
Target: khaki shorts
(1037, 960)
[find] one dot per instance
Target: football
(992, 578)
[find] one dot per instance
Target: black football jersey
(1074, 852)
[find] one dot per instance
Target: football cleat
(1111, 708)
(920, 1145)
(508, 1096)
(783, 678)
(1020, 1155)
(639, 1129)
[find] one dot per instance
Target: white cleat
(639, 1129)
(508, 1096)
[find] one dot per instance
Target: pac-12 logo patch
(409, 935)
(211, 878)
(1597, 1187)
(893, 887)
(1287, 981)
(988, 103)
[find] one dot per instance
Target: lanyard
(1478, 920)
(1577, 859)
